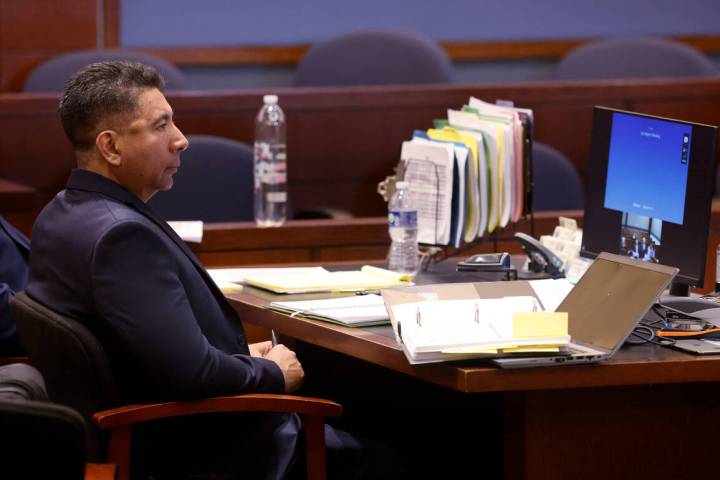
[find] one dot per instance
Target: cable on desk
(645, 333)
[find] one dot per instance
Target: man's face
(150, 146)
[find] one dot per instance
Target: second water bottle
(402, 225)
(270, 165)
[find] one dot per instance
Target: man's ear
(106, 143)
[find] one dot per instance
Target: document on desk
(471, 320)
(466, 211)
(429, 168)
(321, 280)
(189, 231)
(352, 311)
(230, 279)
(489, 132)
(514, 142)
(505, 160)
(441, 330)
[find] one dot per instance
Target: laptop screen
(611, 298)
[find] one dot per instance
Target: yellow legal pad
(321, 280)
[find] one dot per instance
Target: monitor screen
(650, 190)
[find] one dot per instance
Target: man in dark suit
(14, 253)
(102, 256)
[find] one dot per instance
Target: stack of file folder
(471, 174)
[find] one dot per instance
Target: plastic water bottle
(270, 165)
(402, 224)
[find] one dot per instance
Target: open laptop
(604, 308)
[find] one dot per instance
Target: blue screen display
(648, 167)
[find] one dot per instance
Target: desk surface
(632, 365)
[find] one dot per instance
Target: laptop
(603, 309)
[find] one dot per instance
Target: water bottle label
(276, 197)
(270, 164)
(402, 219)
(273, 174)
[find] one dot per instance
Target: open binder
(435, 323)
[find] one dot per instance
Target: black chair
(556, 183)
(77, 374)
(51, 75)
(40, 439)
(644, 57)
(214, 183)
(374, 57)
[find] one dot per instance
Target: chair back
(646, 57)
(556, 183)
(39, 439)
(74, 365)
(374, 57)
(214, 183)
(51, 75)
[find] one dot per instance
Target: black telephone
(541, 259)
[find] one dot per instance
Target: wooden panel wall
(342, 141)
(33, 31)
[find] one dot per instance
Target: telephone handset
(541, 258)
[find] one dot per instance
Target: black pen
(273, 338)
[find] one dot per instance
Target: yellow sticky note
(539, 324)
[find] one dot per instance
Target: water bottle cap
(401, 184)
(270, 99)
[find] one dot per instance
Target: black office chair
(645, 57)
(374, 57)
(77, 374)
(40, 439)
(51, 75)
(556, 183)
(214, 183)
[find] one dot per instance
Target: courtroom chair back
(374, 57)
(645, 57)
(214, 183)
(38, 439)
(51, 75)
(74, 365)
(556, 183)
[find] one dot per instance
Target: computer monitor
(649, 191)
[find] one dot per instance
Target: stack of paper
(353, 311)
(441, 330)
(320, 280)
(468, 174)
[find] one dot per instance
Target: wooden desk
(647, 413)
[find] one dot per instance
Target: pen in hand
(273, 338)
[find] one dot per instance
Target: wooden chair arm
(127, 415)
(100, 471)
(312, 410)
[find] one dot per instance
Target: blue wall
(189, 23)
(168, 23)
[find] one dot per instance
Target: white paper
(350, 310)
(189, 231)
(237, 275)
(551, 292)
(428, 169)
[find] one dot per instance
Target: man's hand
(260, 349)
(289, 364)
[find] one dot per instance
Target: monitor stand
(679, 289)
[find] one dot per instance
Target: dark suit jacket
(102, 257)
(14, 252)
